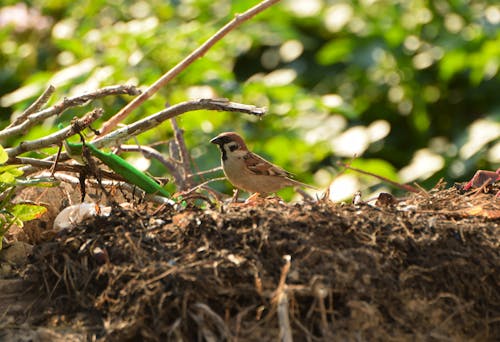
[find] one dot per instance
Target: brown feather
(260, 166)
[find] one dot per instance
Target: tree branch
(43, 164)
(119, 136)
(205, 172)
(35, 106)
(405, 187)
(112, 183)
(35, 118)
(198, 53)
(183, 154)
(57, 137)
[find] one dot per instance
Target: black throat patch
(224, 153)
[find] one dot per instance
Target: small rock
(16, 253)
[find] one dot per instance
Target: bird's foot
(253, 200)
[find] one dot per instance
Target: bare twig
(36, 164)
(36, 118)
(121, 135)
(405, 187)
(205, 313)
(173, 150)
(320, 292)
(326, 194)
(281, 300)
(198, 53)
(284, 273)
(57, 137)
(183, 154)
(35, 106)
(239, 317)
(309, 336)
(422, 190)
(115, 181)
(202, 185)
(236, 192)
(45, 164)
(204, 172)
(56, 161)
(283, 318)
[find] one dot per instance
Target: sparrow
(248, 171)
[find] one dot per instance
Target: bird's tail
(303, 185)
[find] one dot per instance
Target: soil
(421, 268)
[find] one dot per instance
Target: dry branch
(405, 187)
(119, 136)
(57, 137)
(183, 154)
(35, 106)
(113, 180)
(199, 186)
(281, 301)
(76, 168)
(36, 118)
(206, 314)
(198, 53)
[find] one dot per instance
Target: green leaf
(3, 155)
(9, 173)
(28, 212)
(337, 50)
(8, 168)
(452, 63)
(7, 178)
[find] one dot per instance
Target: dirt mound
(423, 269)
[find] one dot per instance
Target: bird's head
(229, 142)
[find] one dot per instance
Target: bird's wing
(260, 166)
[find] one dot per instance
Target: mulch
(425, 267)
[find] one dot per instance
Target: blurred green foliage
(403, 85)
(15, 213)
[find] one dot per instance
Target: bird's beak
(216, 140)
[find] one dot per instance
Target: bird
(248, 171)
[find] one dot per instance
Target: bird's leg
(234, 199)
(260, 199)
(253, 198)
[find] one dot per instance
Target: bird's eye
(233, 147)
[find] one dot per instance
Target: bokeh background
(406, 89)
